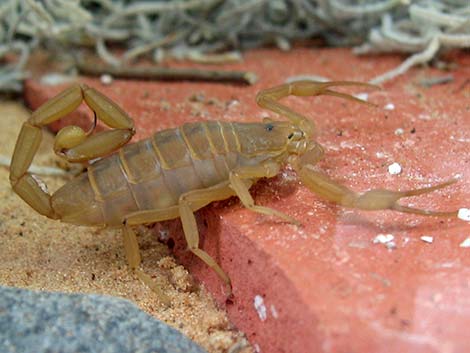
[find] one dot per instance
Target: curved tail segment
(71, 142)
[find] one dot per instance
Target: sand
(42, 254)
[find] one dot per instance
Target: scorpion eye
(290, 135)
(269, 127)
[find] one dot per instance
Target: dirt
(42, 254)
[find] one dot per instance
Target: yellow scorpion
(177, 171)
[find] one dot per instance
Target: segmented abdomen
(153, 173)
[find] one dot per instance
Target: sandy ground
(42, 254)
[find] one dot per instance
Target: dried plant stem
(419, 58)
(167, 73)
(208, 28)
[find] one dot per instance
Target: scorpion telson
(177, 171)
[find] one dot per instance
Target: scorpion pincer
(178, 171)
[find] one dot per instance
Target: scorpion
(177, 171)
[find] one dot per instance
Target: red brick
(331, 288)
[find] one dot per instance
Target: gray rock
(42, 322)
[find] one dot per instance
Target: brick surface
(326, 287)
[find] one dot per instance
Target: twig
(167, 73)
(433, 81)
(157, 43)
(342, 10)
(419, 58)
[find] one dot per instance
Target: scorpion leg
(188, 204)
(131, 245)
(131, 249)
(268, 98)
(238, 178)
(192, 201)
(376, 199)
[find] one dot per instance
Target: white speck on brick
(257, 348)
(364, 96)
(465, 243)
(427, 239)
(389, 106)
(383, 238)
(399, 131)
(260, 307)
(380, 154)
(106, 79)
(464, 214)
(274, 311)
(350, 145)
(394, 168)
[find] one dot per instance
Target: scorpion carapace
(177, 171)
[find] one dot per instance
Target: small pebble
(427, 239)
(258, 303)
(383, 238)
(424, 117)
(399, 131)
(394, 168)
(465, 243)
(464, 214)
(389, 106)
(106, 79)
(274, 312)
(363, 96)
